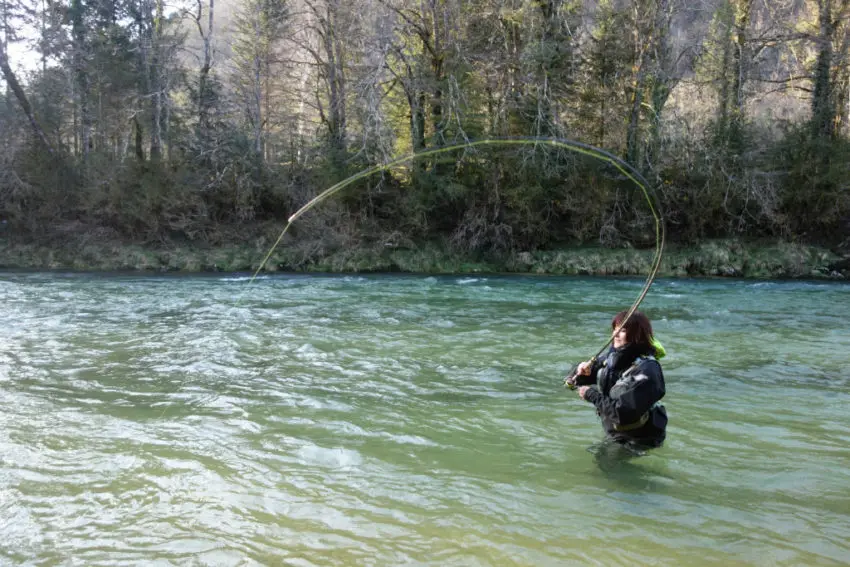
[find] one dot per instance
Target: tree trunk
(156, 84)
(78, 35)
(823, 116)
(139, 148)
(167, 121)
(638, 87)
(257, 110)
(739, 69)
(841, 81)
(15, 86)
(437, 69)
(633, 131)
(342, 110)
(726, 23)
(144, 19)
(602, 116)
(842, 99)
(335, 76)
(267, 66)
(203, 75)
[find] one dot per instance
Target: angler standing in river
(627, 383)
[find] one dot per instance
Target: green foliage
(37, 189)
(602, 111)
(260, 137)
(815, 191)
(710, 191)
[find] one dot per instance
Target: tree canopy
(195, 121)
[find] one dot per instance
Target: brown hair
(638, 328)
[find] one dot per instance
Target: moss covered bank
(733, 258)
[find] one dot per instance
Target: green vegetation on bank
(732, 258)
(138, 127)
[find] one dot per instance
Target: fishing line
(623, 167)
(585, 149)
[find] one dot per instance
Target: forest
(160, 123)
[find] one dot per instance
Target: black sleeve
(632, 396)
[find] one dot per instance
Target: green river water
(397, 420)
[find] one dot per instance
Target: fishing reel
(570, 381)
(573, 379)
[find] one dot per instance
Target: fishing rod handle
(571, 381)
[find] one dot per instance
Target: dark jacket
(629, 384)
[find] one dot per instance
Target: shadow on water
(627, 467)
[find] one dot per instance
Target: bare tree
(207, 61)
(329, 24)
(258, 28)
(20, 95)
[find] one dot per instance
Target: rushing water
(386, 420)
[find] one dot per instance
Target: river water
(387, 420)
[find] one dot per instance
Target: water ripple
(319, 420)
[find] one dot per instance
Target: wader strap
(640, 422)
(630, 426)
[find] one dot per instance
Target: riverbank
(729, 257)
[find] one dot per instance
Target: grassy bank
(732, 258)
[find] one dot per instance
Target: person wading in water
(626, 384)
